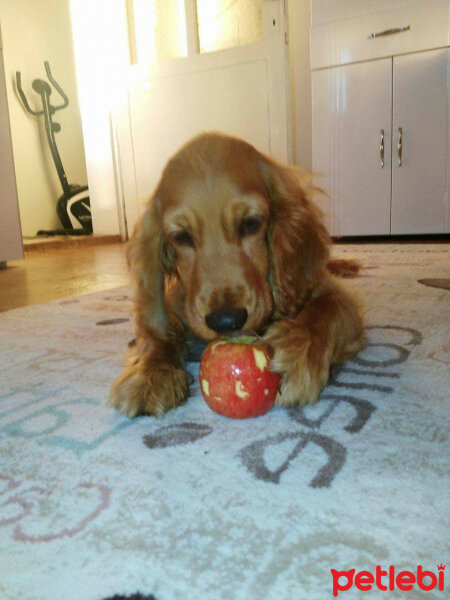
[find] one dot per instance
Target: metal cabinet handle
(392, 31)
(382, 148)
(400, 146)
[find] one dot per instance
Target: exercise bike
(73, 207)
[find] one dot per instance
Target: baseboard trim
(45, 244)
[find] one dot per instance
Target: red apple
(235, 379)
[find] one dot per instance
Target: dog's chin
(203, 333)
(241, 333)
(208, 335)
(196, 345)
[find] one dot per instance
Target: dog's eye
(249, 226)
(183, 238)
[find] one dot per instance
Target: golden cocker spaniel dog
(230, 242)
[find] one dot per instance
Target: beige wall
(299, 14)
(34, 31)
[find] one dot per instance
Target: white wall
(34, 31)
(299, 13)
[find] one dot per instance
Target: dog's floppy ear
(151, 260)
(298, 239)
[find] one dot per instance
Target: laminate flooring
(62, 272)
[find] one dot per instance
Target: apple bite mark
(205, 387)
(260, 359)
(241, 392)
(218, 343)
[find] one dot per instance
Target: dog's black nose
(226, 319)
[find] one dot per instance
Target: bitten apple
(235, 379)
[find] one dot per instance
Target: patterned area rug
(198, 506)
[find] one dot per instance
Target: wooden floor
(58, 273)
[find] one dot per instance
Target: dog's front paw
(304, 366)
(149, 389)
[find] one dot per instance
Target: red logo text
(388, 580)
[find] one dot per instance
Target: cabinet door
(351, 123)
(421, 115)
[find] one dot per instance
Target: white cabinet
(366, 114)
(421, 122)
(348, 31)
(351, 114)
(380, 87)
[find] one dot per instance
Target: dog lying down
(230, 242)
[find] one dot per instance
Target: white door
(352, 146)
(240, 90)
(421, 136)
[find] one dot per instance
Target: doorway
(32, 33)
(165, 71)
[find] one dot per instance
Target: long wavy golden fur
(229, 229)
